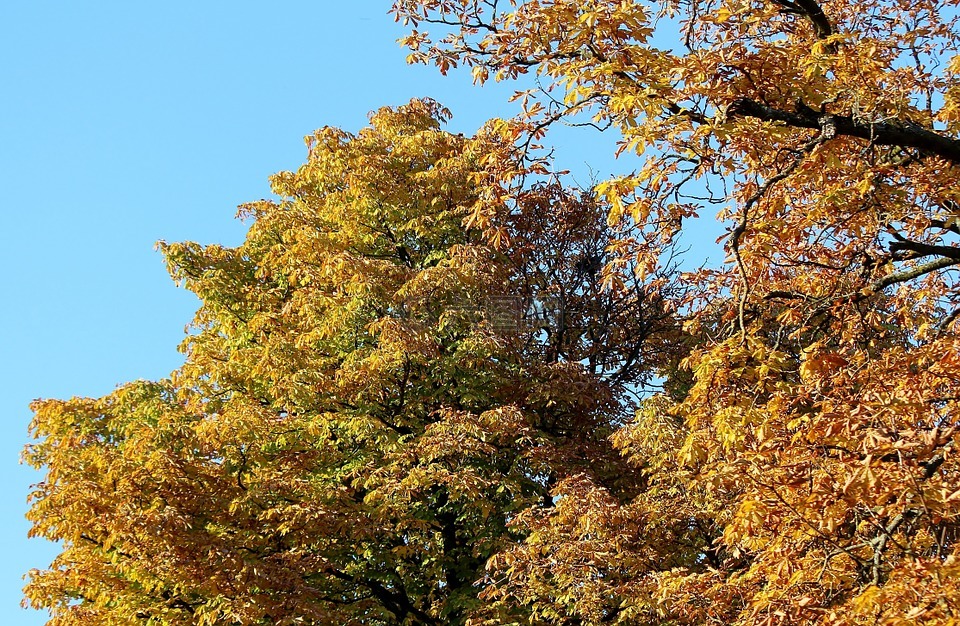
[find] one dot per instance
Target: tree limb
(899, 133)
(912, 273)
(924, 249)
(814, 14)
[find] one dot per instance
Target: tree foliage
(437, 386)
(365, 403)
(803, 468)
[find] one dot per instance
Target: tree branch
(912, 273)
(899, 133)
(814, 14)
(924, 249)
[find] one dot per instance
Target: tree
(371, 392)
(802, 468)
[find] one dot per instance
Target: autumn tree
(387, 371)
(802, 468)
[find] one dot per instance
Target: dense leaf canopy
(436, 386)
(805, 472)
(371, 393)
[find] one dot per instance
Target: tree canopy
(806, 471)
(438, 385)
(365, 404)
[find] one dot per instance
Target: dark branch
(812, 11)
(903, 134)
(924, 249)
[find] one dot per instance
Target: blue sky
(125, 123)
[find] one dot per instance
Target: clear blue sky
(122, 123)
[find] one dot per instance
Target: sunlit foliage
(373, 391)
(801, 469)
